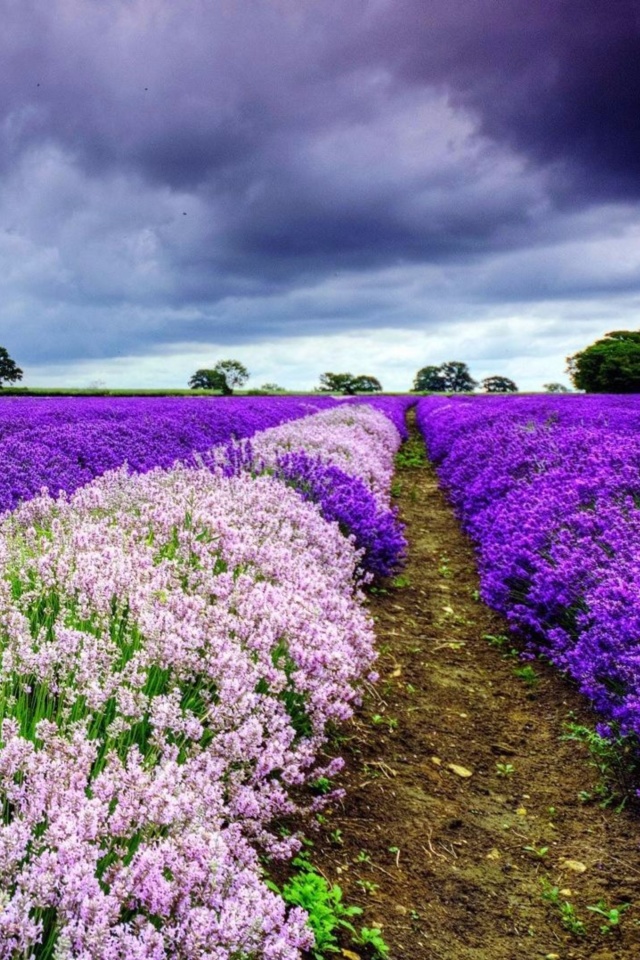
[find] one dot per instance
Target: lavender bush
(394, 408)
(376, 531)
(549, 490)
(343, 460)
(63, 443)
(173, 646)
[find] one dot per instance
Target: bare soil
(458, 778)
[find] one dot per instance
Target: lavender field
(63, 443)
(184, 622)
(549, 491)
(176, 639)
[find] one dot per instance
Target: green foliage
(570, 919)
(207, 380)
(336, 837)
(539, 852)
(347, 384)
(610, 365)
(380, 719)
(323, 902)
(611, 915)
(322, 785)
(429, 380)
(224, 377)
(616, 760)
(368, 886)
(555, 388)
(527, 675)
(550, 893)
(499, 640)
(450, 377)
(505, 769)
(568, 914)
(411, 454)
(371, 937)
(272, 388)
(401, 581)
(496, 384)
(328, 915)
(9, 371)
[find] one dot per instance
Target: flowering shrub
(549, 489)
(347, 500)
(359, 440)
(173, 645)
(63, 443)
(342, 459)
(394, 408)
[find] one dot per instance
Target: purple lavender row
(394, 408)
(343, 460)
(549, 490)
(175, 645)
(63, 443)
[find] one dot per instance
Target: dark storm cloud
(556, 79)
(180, 170)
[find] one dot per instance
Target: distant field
(167, 392)
(94, 392)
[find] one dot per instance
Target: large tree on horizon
(9, 370)
(610, 365)
(450, 377)
(347, 384)
(225, 377)
(498, 384)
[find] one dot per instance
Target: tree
(450, 377)
(364, 383)
(610, 365)
(207, 380)
(496, 384)
(429, 380)
(335, 383)
(347, 384)
(225, 376)
(9, 371)
(272, 388)
(555, 388)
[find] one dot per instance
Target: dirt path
(461, 804)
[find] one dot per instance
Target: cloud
(251, 175)
(558, 82)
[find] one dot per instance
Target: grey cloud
(178, 170)
(558, 81)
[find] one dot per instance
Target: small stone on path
(460, 771)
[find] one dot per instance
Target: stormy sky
(312, 185)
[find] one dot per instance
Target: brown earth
(458, 778)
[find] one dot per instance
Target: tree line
(450, 377)
(610, 365)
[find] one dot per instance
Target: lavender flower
(549, 489)
(173, 646)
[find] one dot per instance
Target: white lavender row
(174, 645)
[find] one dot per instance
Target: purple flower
(549, 490)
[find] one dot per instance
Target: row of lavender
(549, 490)
(174, 646)
(63, 443)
